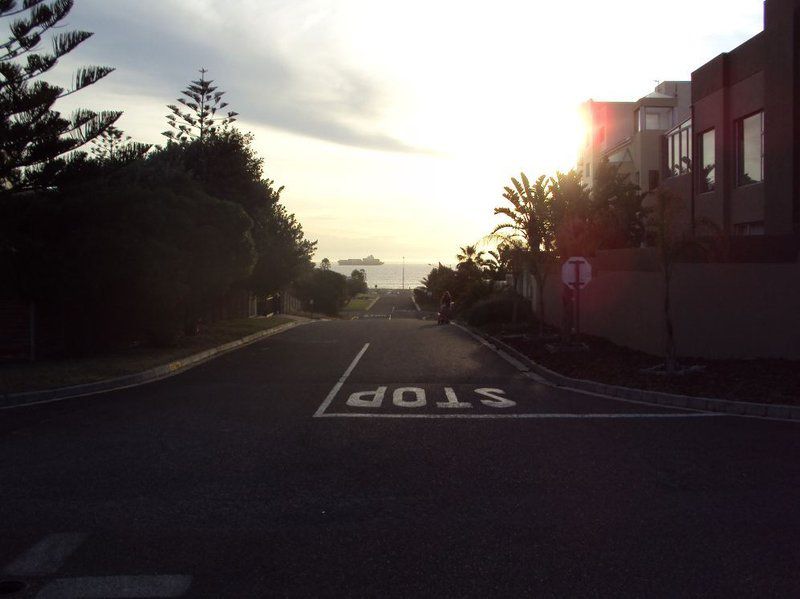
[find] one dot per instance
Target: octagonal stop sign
(576, 272)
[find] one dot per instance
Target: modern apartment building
(728, 142)
(631, 133)
(746, 115)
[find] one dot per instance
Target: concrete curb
(703, 404)
(28, 398)
(375, 301)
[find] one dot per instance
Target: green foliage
(228, 168)
(33, 135)
(322, 291)
(466, 285)
(198, 119)
(357, 282)
(126, 261)
(112, 146)
(616, 208)
(499, 308)
(575, 232)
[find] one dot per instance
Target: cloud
(272, 59)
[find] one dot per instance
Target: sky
(394, 126)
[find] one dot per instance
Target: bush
(498, 309)
(325, 288)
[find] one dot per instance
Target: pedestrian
(445, 308)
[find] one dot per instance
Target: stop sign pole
(576, 273)
(577, 264)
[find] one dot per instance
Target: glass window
(652, 121)
(683, 161)
(750, 149)
(755, 228)
(708, 160)
(671, 154)
(679, 150)
(652, 180)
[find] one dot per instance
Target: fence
(719, 310)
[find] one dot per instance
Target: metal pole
(404, 273)
(577, 301)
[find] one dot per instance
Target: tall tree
(469, 258)
(616, 208)
(33, 135)
(530, 225)
(198, 119)
(574, 231)
(113, 146)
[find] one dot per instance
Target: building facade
(745, 116)
(630, 134)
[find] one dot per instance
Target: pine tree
(200, 120)
(112, 145)
(33, 136)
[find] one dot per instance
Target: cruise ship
(368, 261)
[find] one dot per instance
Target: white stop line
(414, 398)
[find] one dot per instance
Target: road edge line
(333, 392)
(779, 412)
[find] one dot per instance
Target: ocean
(390, 274)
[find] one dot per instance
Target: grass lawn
(360, 302)
(47, 374)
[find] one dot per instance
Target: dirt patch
(764, 381)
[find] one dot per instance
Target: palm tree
(530, 230)
(470, 257)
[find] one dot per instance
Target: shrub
(326, 288)
(498, 309)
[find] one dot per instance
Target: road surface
(390, 457)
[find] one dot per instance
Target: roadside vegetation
(126, 244)
(544, 221)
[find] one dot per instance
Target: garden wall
(719, 310)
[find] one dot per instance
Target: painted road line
(669, 416)
(91, 587)
(324, 405)
(47, 556)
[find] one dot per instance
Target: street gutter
(28, 398)
(691, 402)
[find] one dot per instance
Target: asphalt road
(393, 457)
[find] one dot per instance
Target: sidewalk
(169, 363)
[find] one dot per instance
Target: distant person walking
(445, 308)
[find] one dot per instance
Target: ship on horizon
(368, 261)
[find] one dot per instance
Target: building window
(750, 149)
(747, 229)
(706, 176)
(653, 180)
(653, 118)
(588, 170)
(679, 150)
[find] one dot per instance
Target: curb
(28, 398)
(375, 301)
(703, 404)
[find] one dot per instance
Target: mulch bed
(764, 381)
